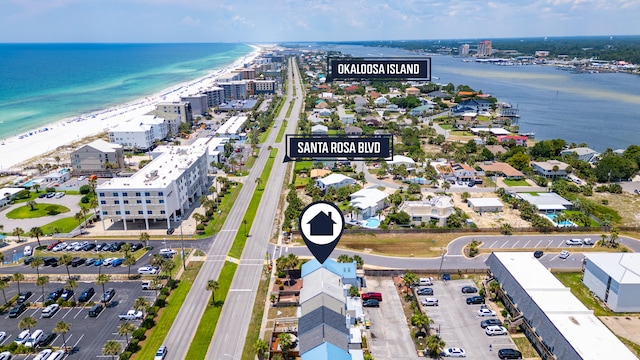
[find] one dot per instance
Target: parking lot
(87, 334)
(537, 242)
(459, 323)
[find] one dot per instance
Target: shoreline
(17, 150)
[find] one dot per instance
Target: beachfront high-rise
(484, 48)
(170, 184)
(140, 133)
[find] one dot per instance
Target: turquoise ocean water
(43, 83)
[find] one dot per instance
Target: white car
(574, 242)
(28, 251)
(495, 330)
(587, 241)
(59, 195)
(59, 247)
(429, 301)
(56, 355)
(161, 353)
(3, 335)
(50, 310)
(147, 270)
(564, 254)
(107, 261)
(23, 337)
(80, 178)
(5, 355)
(34, 338)
(454, 352)
(486, 312)
(43, 355)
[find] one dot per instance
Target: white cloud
(188, 20)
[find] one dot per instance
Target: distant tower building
(484, 48)
(463, 50)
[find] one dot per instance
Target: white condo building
(139, 133)
(165, 188)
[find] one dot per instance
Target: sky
(270, 21)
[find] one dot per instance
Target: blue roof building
(347, 271)
(326, 351)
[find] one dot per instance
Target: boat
(530, 135)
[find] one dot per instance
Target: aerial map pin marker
(321, 226)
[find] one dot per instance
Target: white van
(425, 282)
(28, 251)
(34, 338)
(56, 355)
(23, 337)
(167, 252)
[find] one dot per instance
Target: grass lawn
(156, 336)
(64, 225)
(575, 212)
(422, 245)
(264, 135)
(631, 345)
(32, 196)
(303, 165)
(290, 108)
(446, 126)
(207, 325)
(301, 181)
(249, 352)
(461, 133)
(525, 347)
(241, 236)
(574, 282)
(225, 206)
(509, 182)
(40, 210)
(283, 127)
(251, 160)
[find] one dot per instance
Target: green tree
(409, 278)
(465, 196)
(128, 261)
(420, 321)
(66, 259)
(286, 343)
(125, 329)
(36, 263)
(101, 280)
(141, 304)
(213, 286)
(519, 161)
(71, 284)
(261, 348)
(3, 286)
(32, 204)
(17, 277)
(144, 237)
(17, 232)
(28, 322)
(36, 232)
(435, 345)
(111, 348)
(446, 186)
(506, 229)
(42, 281)
(167, 266)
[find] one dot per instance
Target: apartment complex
(176, 112)
(484, 48)
(96, 156)
(165, 188)
(139, 133)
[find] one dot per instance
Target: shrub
(125, 355)
(52, 210)
(85, 189)
(139, 333)
(281, 287)
(282, 274)
(153, 310)
(85, 199)
(148, 322)
(133, 346)
(172, 284)
(165, 291)
(200, 227)
(161, 301)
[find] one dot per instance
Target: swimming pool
(563, 223)
(30, 183)
(372, 223)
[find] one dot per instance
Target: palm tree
(36, 232)
(17, 277)
(613, 238)
(506, 229)
(167, 266)
(435, 345)
(126, 249)
(284, 339)
(261, 347)
(145, 237)
(17, 232)
(141, 304)
(28, 322)
(258, 182)
(199, 218)
(100, 257)
(79, 216)
(32, 204)
(446, 186)
(213, 286)
(36, 263)
(101, 280)
(420, 320)
(71, 285)
(3, 286)
(36, 187)
(125, 329)
(129, 260)
(156, 260)
(65, 259)
(42, 281)
(112, 348)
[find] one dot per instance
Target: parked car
(454, 352)
(372, 295)
(587, 241)
(574, 242)
(50, 195)
(469, 290)
(486, 312)
(490, 322)
(59, 195)
(77, 261)
(3, 335)
(494, 330)
(24, 296)
(425, 291)
(117, 262)
(108, 295)
(425, 282)
(137, 247)
(429, 301)
(23, 337)
(107, 261)
(147, 270)
(34, 338)
(89, 261)
(161, 353)
(50, 310)
(100, 247)
(53, 244)
(167, 252)
(98, 262)
(86, 294)
(17, 310)
(61, 246)
(55, 294)
(43, 355)
(27, 251)
(56, 355)
(5, 355)
(564, 254)
(371, 303)
(509, 354)
(538, 254)
(475, 300)
(42, 196)
(88, 247)
(46, 339)
(28, 260)
(95, 310)
(67, 295)
(50, 261)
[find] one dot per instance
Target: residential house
(436, 209)
(583, 153)
(368, 202)
(392, 108)
(463, 172)
(321, 105)
(319, 130)
(520, 140)
(7, 194)
(324, 112)
(398, 160)
(421, 110)
(546, 202)
(374, 94)
(322, 288)
(484, 205)
(381, 101)
(360, 102)
(474, 105)
(496, 149)
(327, 351)
(614, 279)
(412, 91)
(353, 130)
(372, 122)
(551, 169)
(95, 155)
(437, 94)
(335, 181)
(346, 271)
(501, 169)
(351, 88)
(58, 176)
(348, 119)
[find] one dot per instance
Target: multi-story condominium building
(169, 185)
(230, 76)
(234, 90)
(264, 87)
(463, 49)
(215, 96)
(199, 103)
(139, 133)
(248, 73)
(484, 48)
(96, 156)
(176, 112)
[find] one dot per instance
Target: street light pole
(184, 265)
(441, 261)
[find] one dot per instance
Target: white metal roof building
(615, 279)
(555, 317)
(231, 128)
(334, 180)
(546, 202)
(485, 204)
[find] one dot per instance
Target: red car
(372, 295)
(50, 246)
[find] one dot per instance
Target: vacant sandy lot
(490, 220)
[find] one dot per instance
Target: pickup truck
(131, 315)
(149, 285)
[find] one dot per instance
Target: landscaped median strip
(208, 322)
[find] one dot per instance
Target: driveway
(70, 201)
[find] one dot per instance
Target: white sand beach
(18, 149)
